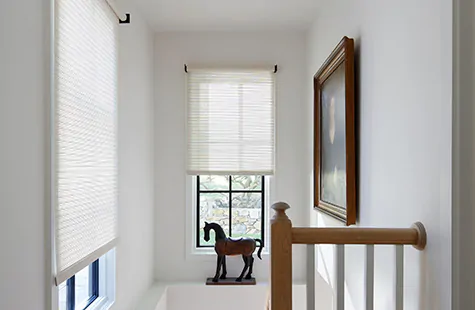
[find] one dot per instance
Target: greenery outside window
(236, 203)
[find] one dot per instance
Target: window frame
(106, 289)
(229, 191)
(93, 289)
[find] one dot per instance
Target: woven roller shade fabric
(231, 120)
(85, 139)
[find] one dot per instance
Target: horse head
(206, 229)
(218, 230)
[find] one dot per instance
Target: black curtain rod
(186, 68)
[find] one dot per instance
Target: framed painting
(335, 135)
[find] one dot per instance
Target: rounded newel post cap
(422, 236)
(280, 206)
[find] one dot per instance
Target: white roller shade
(85, 140)
(231, 121)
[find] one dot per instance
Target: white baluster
(340, 277)
(369, 277)
(399, 277)
(311, 277)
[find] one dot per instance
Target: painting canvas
(335, 172)
(333, 163)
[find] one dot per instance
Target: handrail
(283, 235)
(415, 236)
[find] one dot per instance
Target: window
(85, 200)
(230, 124)
(92, 288)
(81, 290)
(236, 203)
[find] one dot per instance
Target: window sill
(204, 254)
(101, 303)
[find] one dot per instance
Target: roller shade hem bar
(71, 271)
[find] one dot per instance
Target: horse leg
(246, 265)
(249, 274)
(218, 268)
(225, 272)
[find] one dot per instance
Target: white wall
(136, 161)
(172, 51)
(404, 95)
(23, 111)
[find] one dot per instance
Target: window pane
(214, 208)
(247, 215)
(63, 295)
(214, 182)
(246, 182)
(82, 286)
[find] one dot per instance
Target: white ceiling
(207, 15)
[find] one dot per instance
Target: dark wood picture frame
(342, 55)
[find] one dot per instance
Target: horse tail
(260, 248)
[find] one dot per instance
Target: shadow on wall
(323, 293)
(464, 158)
(423, 283)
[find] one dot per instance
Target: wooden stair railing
(283, 235)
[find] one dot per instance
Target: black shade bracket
(186, 68)
(275, 69)
(126, 20)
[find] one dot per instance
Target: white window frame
(208, 254)
(107, 284)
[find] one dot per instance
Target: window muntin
(234, 202)
(81, 290)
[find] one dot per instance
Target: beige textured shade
(85, 139)
(231, 120)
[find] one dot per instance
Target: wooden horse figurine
(226, 246)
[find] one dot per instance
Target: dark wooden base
(231, 281)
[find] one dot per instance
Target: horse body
(226, 246)
(244, 246)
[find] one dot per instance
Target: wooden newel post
(281, 258)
